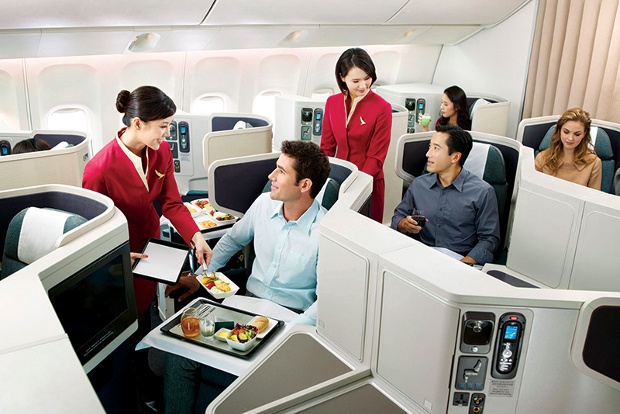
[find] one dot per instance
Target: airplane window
(69, 118)
(208, 104)
(4, 125)
(265, 103)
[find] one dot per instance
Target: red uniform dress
(363, 139)
(113, 174)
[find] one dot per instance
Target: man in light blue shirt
(284, 225)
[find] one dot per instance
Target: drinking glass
(207, 327)
(190, 322)
(418, 216)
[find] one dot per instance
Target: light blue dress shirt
(285, 268)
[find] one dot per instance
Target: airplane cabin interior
(400, 327)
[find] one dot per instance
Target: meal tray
(219, 313)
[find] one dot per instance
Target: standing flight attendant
(134, 170)
(358, 123)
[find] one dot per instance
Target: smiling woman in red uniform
(358, 123)
(135, 169)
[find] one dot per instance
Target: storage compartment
(266, 383)
(363, 399)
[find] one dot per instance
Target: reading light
(144, 42)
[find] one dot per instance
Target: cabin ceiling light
(144, 42)
(409, 33)
(296, 36)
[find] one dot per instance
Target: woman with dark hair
(454, 109)
(357, 124)
(30, 145)
(134, 170)
(570, 156)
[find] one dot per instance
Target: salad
(243, 333)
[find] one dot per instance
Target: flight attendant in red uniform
(134, 170)
(357, 124)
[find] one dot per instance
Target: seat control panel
(508, 345)
(306, 124)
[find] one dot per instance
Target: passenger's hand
(424, 120)
(203, 251)
(136, 256)
(409, 225)
(188, 282)
(469, 260)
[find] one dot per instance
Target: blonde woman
(570, 156)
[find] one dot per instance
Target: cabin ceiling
(35, 28)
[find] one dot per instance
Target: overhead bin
(33, 14)
(457, 12)
(274, 12)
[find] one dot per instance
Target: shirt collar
(305, 221)
(458, 182)
(135, 159)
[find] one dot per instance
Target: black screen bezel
(89, 349)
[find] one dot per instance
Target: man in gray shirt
(460, 208)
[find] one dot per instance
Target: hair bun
(122, 101)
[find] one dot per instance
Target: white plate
(233, 288)
(226, 331)
(205, 209)
(205, 221)
(197, 210)
(215, 215)
(242, 346)
(269, 327)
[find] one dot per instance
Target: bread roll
(261, 323)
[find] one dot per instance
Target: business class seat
(489, 114)
(487, 162)
(603, 148)
(32, 233)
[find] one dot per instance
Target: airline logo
(159, 175)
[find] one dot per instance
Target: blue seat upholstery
(603, 148)
(32, 233)
(328, 195)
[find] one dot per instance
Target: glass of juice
(190, 322)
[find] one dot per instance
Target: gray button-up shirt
(462, 217)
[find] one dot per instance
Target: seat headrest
(478, 103)
(40, 230)
(328, 195)
(602, 144)
(242, 125)
(600, 141)
(477, 160)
